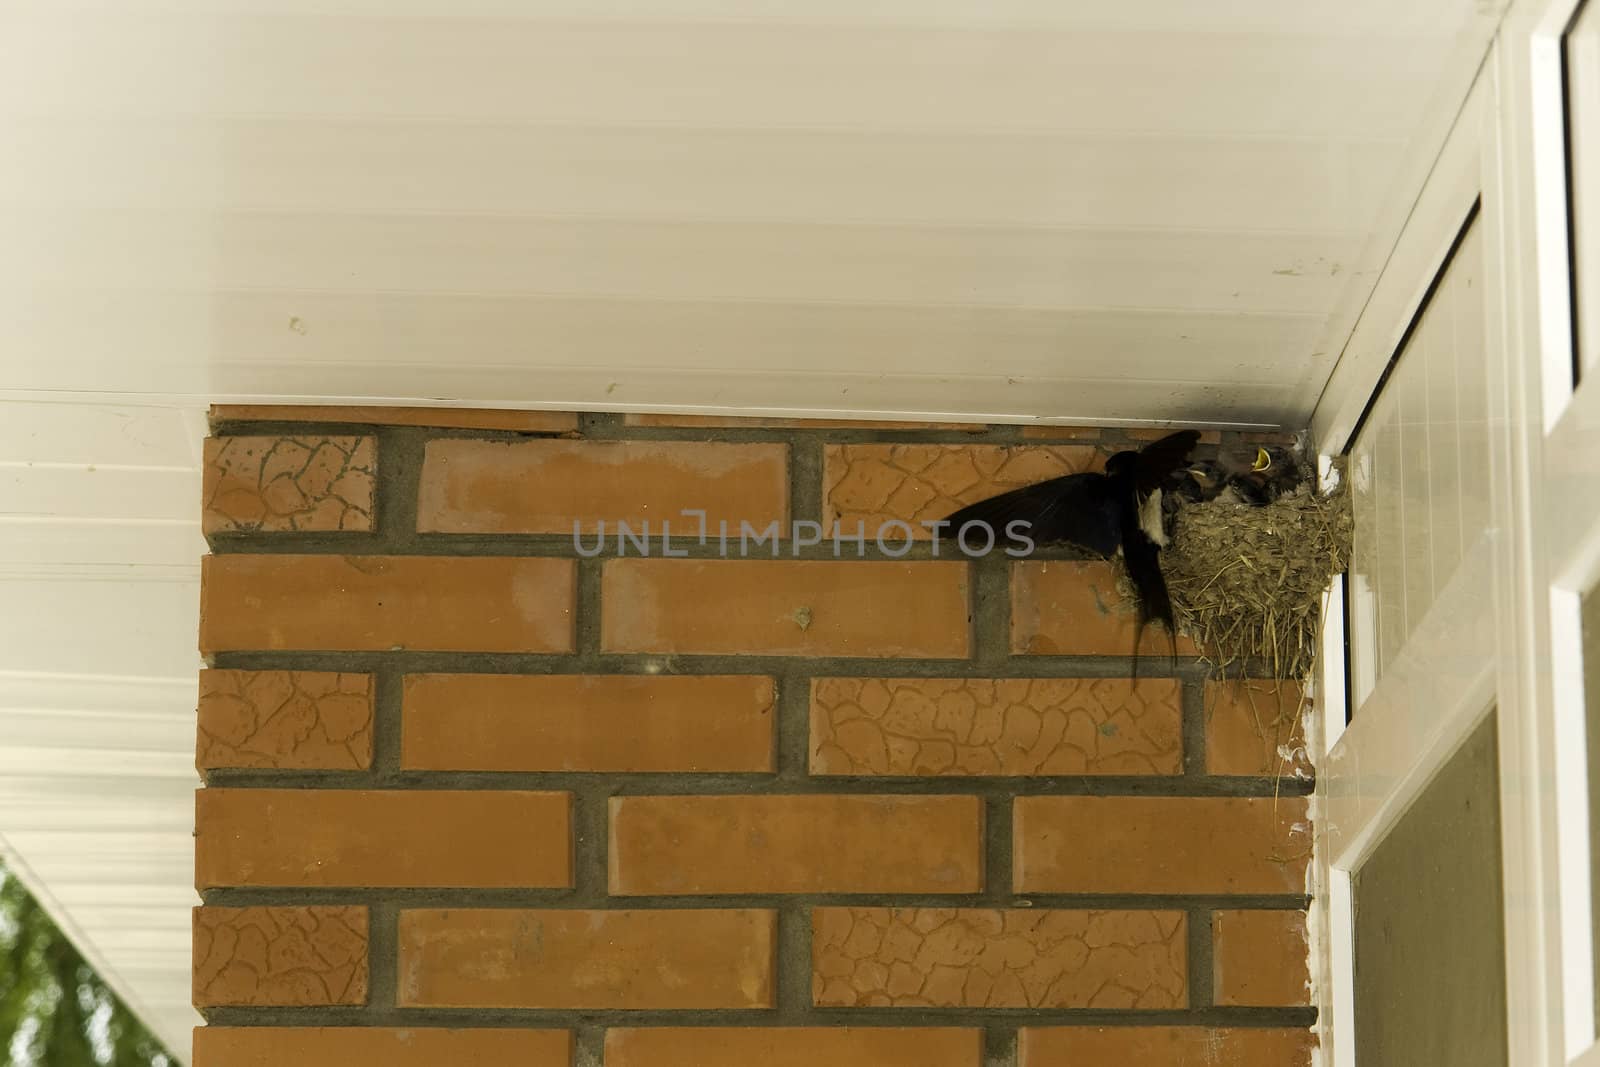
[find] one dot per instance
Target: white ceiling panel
(33, 544)
(99, 562)
(631, 172)
(913, 74)
(861, 263)
(1134, 211)
(96, 815)
(1235, 16)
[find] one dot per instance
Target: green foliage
(54, 1010)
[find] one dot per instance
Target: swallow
(1118, 511)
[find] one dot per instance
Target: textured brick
(1164, 1046)
(314, 1046)
(412, 839)
(795, 1046)
(547, 486)
(1260, 959)
(1073, 608)
(786, 607)
(875, 484)
(280, 957)
(796, 844)
(287, 720)
(1007, 726)
(586, 960)
(566, 722)
(1255, 728)
(740, 422)
(462, 418)
(998, 958)
(1160, 844)
(436, 603)
(288, 483)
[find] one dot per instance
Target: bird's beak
(1263, 461)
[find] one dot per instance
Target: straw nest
(1247, 580)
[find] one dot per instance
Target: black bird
(1118, 511)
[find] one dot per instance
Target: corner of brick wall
(479, 792)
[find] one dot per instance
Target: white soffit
(1089, 211)
(99, 592)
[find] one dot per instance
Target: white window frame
(1448, 676)
(1504, 634)
(1561, 427)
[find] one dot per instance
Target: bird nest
(1247, 579)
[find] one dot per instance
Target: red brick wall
(474, 797)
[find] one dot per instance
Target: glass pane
(1583, 155)
(1416, 466)
(1429, 940)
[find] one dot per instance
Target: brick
(399, 839)
(378, 603)
(1093, 434)
(586, 960)
(1255, 728)
(288, 957)
(740, 422)
(999, 958)
(1164, 1046)
(334, 1046)
(995, 726)
(786, 607)
(1073, 608)
(1260, 959)
(675, 845)
(795, 1046)
(547, 486)
(449, 418)
(565, 722)
(1270, 438)
(284, 720)
(270, 484)
(1142, 434)
(1202, 845)
(877, 484)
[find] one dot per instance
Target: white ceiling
(1089, 210)
(1082, 210)
(99, 596)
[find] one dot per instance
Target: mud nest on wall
(1247, 579)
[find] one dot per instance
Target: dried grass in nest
(1246, 583)
(1247, 580)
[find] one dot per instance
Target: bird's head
(1258, 463)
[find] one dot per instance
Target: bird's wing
(1075, 508)
(1159, 459)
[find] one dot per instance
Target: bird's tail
(1155, 603)
(1138, 639)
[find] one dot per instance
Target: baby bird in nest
(1118, 512)
(1242, 478)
